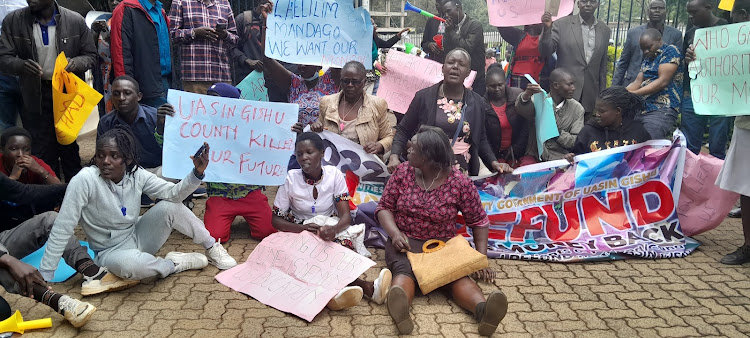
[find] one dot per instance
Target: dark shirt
(143, 129)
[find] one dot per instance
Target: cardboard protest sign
(296, 273)
(408, 74)
(702, 205)
(253, 87)
(327, 33)
(509, 13)
(73, 100)
(719, 75)
(251, 141)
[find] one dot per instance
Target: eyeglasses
(350, 81)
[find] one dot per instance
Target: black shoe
(200, 192)
(494, 311)
(739, 256)
(735, 213)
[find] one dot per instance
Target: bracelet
(192, 34)
(201, 176)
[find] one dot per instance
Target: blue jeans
(694, 127)
(11, 101)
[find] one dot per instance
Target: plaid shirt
(202, 60)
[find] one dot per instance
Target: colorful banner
(296, 273)
(719, 75)
(251, 141)
(253, 87)
(703, 205)
(349, 156)
(327, 33)
(509, 13)
(73, 100)
(408, 74)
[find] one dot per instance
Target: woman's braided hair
(126, 143)
(619, 97)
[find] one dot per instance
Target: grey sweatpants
(31, 235)
(134, 258)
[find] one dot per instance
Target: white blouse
(296, 196)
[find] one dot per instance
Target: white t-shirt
(296, 196)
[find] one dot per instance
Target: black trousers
(63, 159)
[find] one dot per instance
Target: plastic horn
(410, 7)
(16, 324)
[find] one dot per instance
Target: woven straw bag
(444, 262)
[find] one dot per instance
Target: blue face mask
(317, 74)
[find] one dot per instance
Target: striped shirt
(202, 60)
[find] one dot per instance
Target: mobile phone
(221, 26)
(103, 23)
(200, 151)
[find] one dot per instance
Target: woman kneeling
(107, 196)
(318, 190)
(412, 212)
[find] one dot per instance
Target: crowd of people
(449, 132)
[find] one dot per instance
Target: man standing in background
(10, 95)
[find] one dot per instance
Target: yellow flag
(72, 101)
(726, 5)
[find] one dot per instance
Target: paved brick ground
(693, 296)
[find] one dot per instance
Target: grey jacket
(629, 64)
(17, 45)
(569, 121)
(566, 39)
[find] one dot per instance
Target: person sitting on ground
(227, 201)
(613, 124)
(569, 115)
(18, 164)
(315, 190)
(145, 122)
(20, 278)
(105, 196)
(412, 212)
(507, 131)
(460, 112)
(660, 84)
(356, 115)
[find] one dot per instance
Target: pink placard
(296, 273)
(408, 74)
(507, 13)
(702, 205)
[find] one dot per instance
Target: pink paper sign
(702, 205)
(296, 273)
(408, 74)
(507, 13)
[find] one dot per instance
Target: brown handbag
(444, 262)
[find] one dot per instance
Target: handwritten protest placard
(408, 74)
(719, 75)
(253, 87)
(347, 155)
(508, 13)
(251, 141)
(327, 33)
(73, 100)
(702, 205)
(296, 273)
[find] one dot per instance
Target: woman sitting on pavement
(458, 111)
(356, 115)
(321, 190)
(412, 212)
(106, 197)
(507, 131)
(613, 124)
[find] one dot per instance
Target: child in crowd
(613, 124)
(321, 190)
(106, 197)
(227, 201)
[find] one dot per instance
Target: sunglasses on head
(350, 81)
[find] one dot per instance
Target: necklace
(314, 191)
(123, 209)
(341, 123)
(450, 107)
(424, 185)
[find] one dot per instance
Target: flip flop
(494, 311)
(398, 308)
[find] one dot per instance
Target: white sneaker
(110, 282)
(382, 285)
(219, 257)
(75, 311)
(187, 261)
(346, 298)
